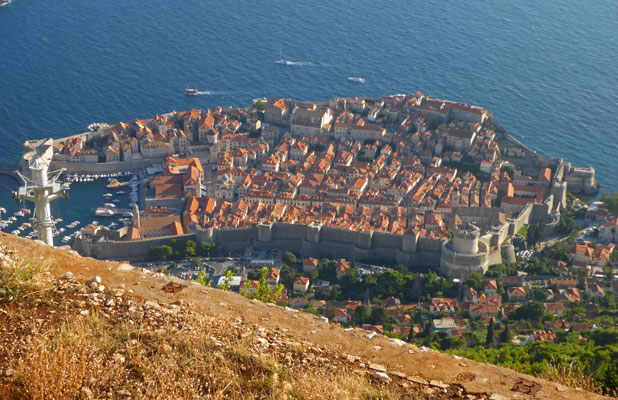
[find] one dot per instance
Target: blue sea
(547, 70)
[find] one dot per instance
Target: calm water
(546, 69)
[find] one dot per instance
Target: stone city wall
(325, 241)
(136, 250)
(101, 168)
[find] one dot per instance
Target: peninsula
(406, 178)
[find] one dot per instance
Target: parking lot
(188, 269)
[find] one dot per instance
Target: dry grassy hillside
(73, 327)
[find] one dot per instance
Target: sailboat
(281, 61)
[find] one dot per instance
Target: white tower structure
(41, 189)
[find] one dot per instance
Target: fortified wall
(579, 180)
(325, 241)
(135, 250)
(467, 253)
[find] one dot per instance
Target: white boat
(281, 61)
(104, 212)
(2, 210)
(191, 92)
(107, 195)
(356, 79)
(120, 192)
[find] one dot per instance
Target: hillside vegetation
(73, 327)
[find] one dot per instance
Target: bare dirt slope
(420, 372)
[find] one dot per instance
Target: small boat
(281, 61)
(2, 210)
(107, 195)
(356, 79)
(104, 212)
(120, 192)
(191, 92)
(115, 184)
(5, 2)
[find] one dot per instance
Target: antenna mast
(41, 190)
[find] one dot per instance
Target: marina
(79, 212)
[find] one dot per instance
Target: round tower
(466, 239)
(508, 252)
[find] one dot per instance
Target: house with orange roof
(581, 255)
(310, 264)
(301, 284)
(342, 267)
(490, 287)
(594, 289)
(112, 154)
(479, 310)
(442, 305)
(272, 278)
(555, 309)
(516, 294)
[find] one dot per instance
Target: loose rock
(383, 377)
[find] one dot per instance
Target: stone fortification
(465, 254)
(579, 180)
(136, 250)
(326, 241)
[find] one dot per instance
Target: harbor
(88, 193)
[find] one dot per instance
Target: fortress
(473, 248)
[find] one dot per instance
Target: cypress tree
(505, 336)
(489, 341)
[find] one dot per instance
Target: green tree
(531, 311)
(390, 283)
(227, 278)
(379, 316)
(203, 278)
(475, 281)
(350, 282)
(540, 294)
(360, 315)
(289, 258)
(567, 225)
(263, 291)
(611, 202)
(160, 253)
(206, 249)
(190, 248)
(505, 336)
(254, 275)
(259, 105)
(489, 339)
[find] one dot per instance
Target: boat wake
(208, 92)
